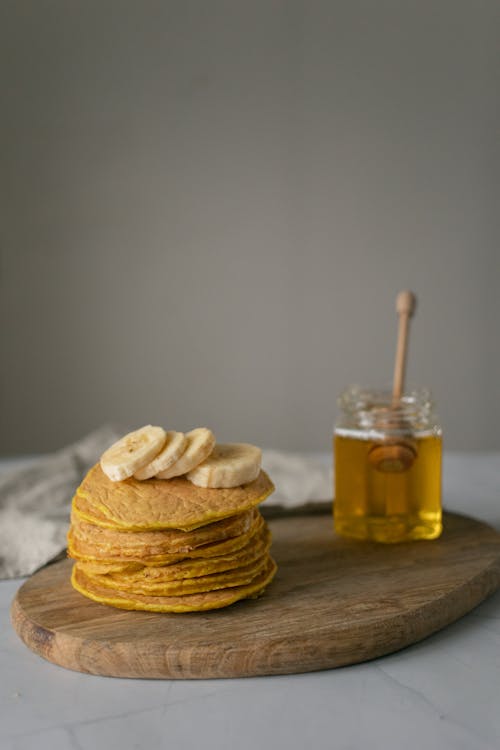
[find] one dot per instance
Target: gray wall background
(208, 208)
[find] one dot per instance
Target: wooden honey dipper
(398, 455)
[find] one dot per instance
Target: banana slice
(199, 445)
(172, 450)
(132, 452)
(229, 465)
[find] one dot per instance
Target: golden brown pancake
(187, 603)
(251, 553)
(164, 540)
(79, 550)
(167, 504)
(82, 508)
(168, 545)
(98, 568)
(92, 552)
(237, 577)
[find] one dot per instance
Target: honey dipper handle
(406, 303)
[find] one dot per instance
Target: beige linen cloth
(35, 499)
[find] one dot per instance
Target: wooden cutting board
(333, 602)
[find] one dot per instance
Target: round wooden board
(333, 602)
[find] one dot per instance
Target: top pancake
(168, 503)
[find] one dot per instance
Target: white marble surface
(441, 693)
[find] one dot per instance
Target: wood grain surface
(333, 602)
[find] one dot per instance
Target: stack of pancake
(169, 545)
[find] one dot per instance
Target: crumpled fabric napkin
(299, 478)
(35, 503)
(35, 500)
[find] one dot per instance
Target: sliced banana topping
(132, 452)
(174, 445)
(229, 465)
(152, 452)
(199, 445)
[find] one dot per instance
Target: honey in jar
(387, 466)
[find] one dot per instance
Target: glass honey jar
(387, 466)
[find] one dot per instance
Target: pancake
(141, 575)
(84, 510)
(237, 577)
(163, 541)
(98, 568)
(188, 603)
(169, 545)
(81, 550)
(167, 504)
